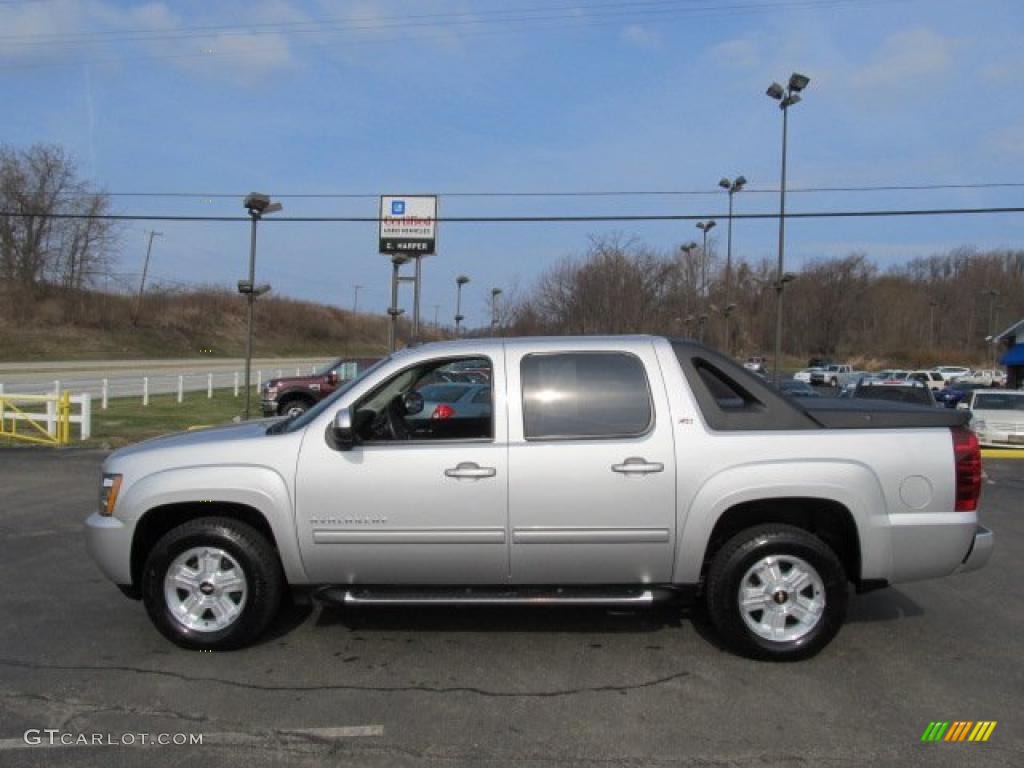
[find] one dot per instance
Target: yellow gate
(37, 430)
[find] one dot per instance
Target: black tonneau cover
(880, 414)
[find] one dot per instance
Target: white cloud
(641, 36)
(741, 53)
(905, 59)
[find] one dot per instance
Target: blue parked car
(954, 392)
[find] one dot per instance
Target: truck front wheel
(212, 583)
(776, 592)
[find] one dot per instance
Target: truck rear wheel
(212, 583)
(776, 592)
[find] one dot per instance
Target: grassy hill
(63, 325)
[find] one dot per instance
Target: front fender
(258, 487)
(853, 485)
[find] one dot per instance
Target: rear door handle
(470, 469)
(635, 465)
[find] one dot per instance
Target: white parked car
(931, 379)
(986, 377)
(951, 372)
(806, 374)
(997, 417)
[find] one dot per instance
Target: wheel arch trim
(258, 488)
(848, 484)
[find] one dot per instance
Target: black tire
(253, 554)
(732, 562)
(294, 406)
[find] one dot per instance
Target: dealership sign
(408, 224)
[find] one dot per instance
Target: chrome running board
(349, 596)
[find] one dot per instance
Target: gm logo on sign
(398, 207)
(959, 730)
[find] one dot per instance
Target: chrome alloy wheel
(295, 410)
(781, 598)
(205, 589)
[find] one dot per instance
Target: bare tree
(39, 246)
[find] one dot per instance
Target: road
(488, 687)
(125, 377)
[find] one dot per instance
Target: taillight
(967, 461)
(443, 411)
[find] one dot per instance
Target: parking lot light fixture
(786, 97)
(731, 187)
(460, 281)
(258, 205)
(704, 227)
(495, 293)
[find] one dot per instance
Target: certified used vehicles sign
(408, 224)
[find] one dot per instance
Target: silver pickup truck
(596, 470)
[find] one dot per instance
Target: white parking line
(217, 739)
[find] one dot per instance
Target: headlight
(979, 425)
(270, 391)
(109, 486)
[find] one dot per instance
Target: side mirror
(413, 403)
(342, 432)
(962, 406)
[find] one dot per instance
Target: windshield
(300, 421)
(1000, 402)
(325, 369)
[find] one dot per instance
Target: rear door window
(585, 395)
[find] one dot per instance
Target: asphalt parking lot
(537, 687)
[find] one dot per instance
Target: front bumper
(109, 542)
(269, 407)
(980, 551)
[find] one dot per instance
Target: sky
(452, 96)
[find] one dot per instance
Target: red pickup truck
(291, 395)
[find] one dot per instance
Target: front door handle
(470, 469)
(635, 465)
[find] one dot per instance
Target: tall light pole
(731, 187)
(460, 281)
(355, 298)
(704, 227)
(258, 205)
(495, 293)
(685, 250)
(145, 269)
(786, 97)
(992, 296)
(931, 323)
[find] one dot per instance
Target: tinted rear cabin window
(584, 395)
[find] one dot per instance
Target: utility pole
(355, 299)
(145, 269)
(437, 309)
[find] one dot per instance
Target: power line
(533, 219)
(593, 193)
(526, 23)
(574, 12)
